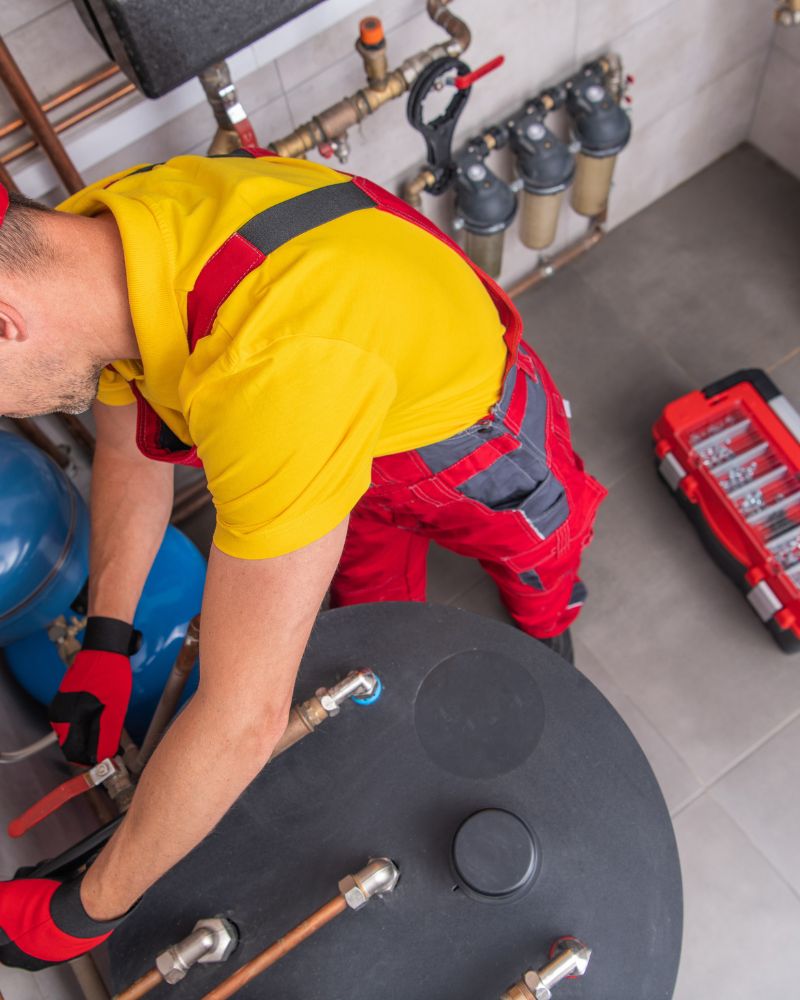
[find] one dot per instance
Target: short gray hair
(23, 246)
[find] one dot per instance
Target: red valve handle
(325, 149)
(462, 82)
(49, 804)
(247, 136)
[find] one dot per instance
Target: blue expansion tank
(44, 560)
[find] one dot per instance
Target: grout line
(771, 48)
(275, 63)
(38, 17)
(759, 850)
(782, 361)
(775, 731)
(465, 591)
(577, 5)
(687, 802)
(613, 43)
(779, 48)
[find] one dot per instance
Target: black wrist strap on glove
(111, 636)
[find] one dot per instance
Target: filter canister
(592, 183)
(539, 219)
(486, 250)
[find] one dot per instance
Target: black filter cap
(495, 857)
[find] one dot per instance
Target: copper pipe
(303, 719)
(31, 430)
(454, 26)
(226, 140)
(66, 95)
(413, 188)
(144, 985)
(332, 909)
(9, 184)
(550, 265)
(334, 122)
(170, 696)
(79, 116)
(31, 111)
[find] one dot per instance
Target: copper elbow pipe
(413, 188)
(457, 30)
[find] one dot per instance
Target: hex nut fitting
(226, 938)
(212, 940)
(380, 876)
(534, 983)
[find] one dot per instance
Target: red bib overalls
(508, 491)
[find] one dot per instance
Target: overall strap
(248, 247)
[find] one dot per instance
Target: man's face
(33, 383)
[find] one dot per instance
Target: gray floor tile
(736, 908)
(676, 635)
(761, 795)
(615, 380)
(677, 782)
(483, 598)
(450, 575)
(709, 272)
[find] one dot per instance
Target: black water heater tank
(512, 797)
(160, 44)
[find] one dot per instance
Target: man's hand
(89, 710)
(43, 922)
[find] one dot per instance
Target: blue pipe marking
(370, 699)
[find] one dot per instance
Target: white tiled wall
(776, 125)
(698, 66)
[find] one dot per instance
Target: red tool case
(731, 455)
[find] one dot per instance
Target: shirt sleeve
(287, 440)
(113, 389)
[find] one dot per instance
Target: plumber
(352, 388)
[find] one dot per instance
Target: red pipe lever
(462, 82)
(54, 800)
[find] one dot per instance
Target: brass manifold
(333, 122)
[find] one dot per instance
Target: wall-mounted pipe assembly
(546, 165)
(329, 127)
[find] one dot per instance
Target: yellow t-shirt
(364, 337)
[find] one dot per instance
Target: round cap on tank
(495, 857)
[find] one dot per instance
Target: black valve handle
(438, 134)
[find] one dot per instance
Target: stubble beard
(56, 391)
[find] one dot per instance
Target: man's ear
(12, 324)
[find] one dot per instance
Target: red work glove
(88, 712)
(43, 922)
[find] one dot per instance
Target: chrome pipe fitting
(378, 877)
(211, 940)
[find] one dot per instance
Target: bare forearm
(256, 619)
(191, 781)
(131, 501)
